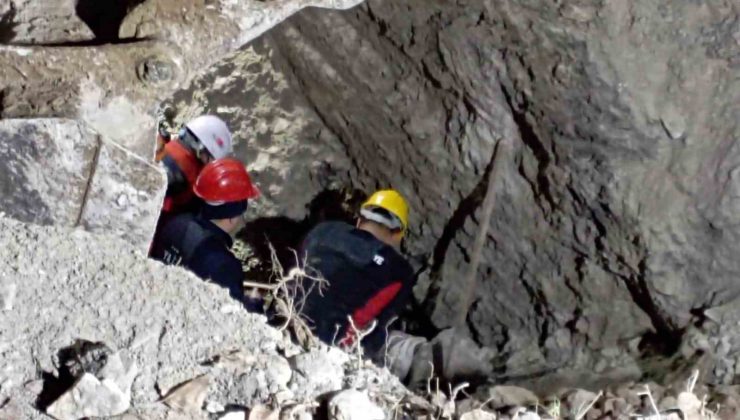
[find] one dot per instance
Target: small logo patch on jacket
(378, 259)
(172, 257)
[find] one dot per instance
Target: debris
(7, 296)
(262, 412)
(354, 405)
(102, 381)
(690, 405)
(478, 415)
(89, 397)
(214, 407)
(190, 395)
(502, 396)
(320, 369)
(234, 415)
(527, 415)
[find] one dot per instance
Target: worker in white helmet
(200, 141)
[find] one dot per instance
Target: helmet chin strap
(196, 146)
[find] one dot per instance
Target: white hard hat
(212, 132)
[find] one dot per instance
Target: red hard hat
(225, 181)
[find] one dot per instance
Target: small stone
(284, 396)
(528, 415)
(354, 405)
(7, 296)
(319, 370)
(122, 200)
(673, 122)
(689, 404)
(234, 415)
(579, 400)
(502, 396)
(155, 70)
(262, 412)
(190, 395)
(214, 407)
(230, 308)
(478, 415)
(89, 397)
(120, 369)
(35, 387)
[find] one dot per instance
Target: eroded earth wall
(615, 224)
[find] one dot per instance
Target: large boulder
(60, 172)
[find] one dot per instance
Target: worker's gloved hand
(163, 134)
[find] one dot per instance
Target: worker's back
(368, 280)
(182, 168)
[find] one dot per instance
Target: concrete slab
(125, 195)
(60, 172)
(44, 168)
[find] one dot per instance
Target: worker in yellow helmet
(368, 278)
(370, 282)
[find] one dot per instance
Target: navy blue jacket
(368, 280)
(201, 247)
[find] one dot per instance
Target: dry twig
(289, 294)
(583, 410)
(359, 334)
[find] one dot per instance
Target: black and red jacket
(368, 280)
(182, 167)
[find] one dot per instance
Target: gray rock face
(58, 171)
(614, 215)
(46, 48)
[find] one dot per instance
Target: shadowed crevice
(104, 18)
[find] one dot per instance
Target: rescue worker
(201, 242)
(200, 141)
(370, 281)
(368, 278)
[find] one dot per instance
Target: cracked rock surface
(615, 225)
(615, 229)
(141, 52)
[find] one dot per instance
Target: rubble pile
(90, 328)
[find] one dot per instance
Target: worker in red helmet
(200, 141)
(201, 242)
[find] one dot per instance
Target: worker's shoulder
(331, 229)
(214, 254)
(332, 226)
(178, 223)
(395, 260)
(191, 231)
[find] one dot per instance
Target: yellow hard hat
(391, 201)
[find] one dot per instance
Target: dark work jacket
(368, 280)
(201, 247)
